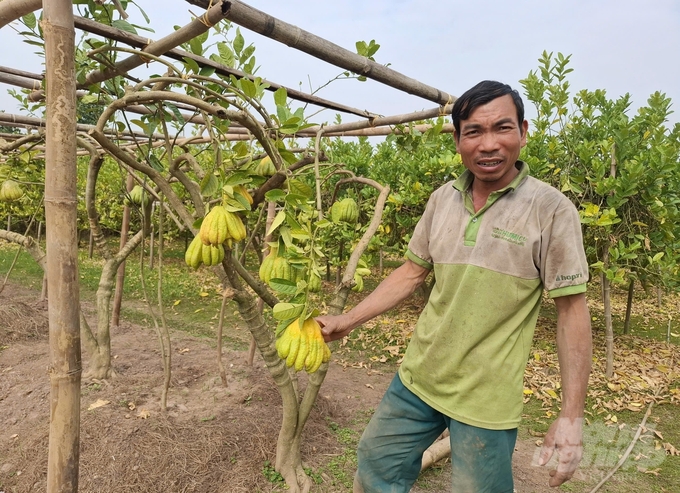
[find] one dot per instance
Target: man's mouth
(489, 164)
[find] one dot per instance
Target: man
(495, 238)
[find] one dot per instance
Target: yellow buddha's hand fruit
(302, 346)
(194, 254)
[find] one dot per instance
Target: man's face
(490, 140)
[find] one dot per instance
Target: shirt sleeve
(564, 268)
(419, 246)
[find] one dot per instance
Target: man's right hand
(334, 327)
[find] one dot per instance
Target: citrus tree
(618, 169)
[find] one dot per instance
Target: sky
(622, 46)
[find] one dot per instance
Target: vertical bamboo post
(62, 250)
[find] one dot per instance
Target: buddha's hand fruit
(302, 345)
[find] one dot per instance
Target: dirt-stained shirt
(470, 346)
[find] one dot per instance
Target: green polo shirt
(471, 343)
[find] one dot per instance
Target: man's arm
(574, 350)
(396, 287)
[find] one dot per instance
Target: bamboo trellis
(255, 20)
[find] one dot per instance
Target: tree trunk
(120, 277)
(609, 329)
(62, 252)
(629, 306)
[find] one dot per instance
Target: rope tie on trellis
(204, 18)
(442, 109)
(142, 57)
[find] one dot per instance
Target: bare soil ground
(212, 438)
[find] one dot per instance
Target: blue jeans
(403, 427)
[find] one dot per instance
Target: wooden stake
(62, 250)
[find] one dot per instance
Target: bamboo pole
(22, 73)
(136, 41)
(271, 27)
(11, 10)
(62, 251)
(31, 121)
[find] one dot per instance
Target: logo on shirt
(514, 238)
(570, 277)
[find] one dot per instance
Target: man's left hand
(564, 436)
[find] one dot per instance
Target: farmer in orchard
(495, 238)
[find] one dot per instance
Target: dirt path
(212, 439)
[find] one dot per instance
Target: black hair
(481, 94)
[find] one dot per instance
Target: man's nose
(488, 142)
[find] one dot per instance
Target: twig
(624, 457)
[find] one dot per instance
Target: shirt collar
(463, 182)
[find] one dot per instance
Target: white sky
(617, 45)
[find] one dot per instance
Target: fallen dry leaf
(98, 403)
(143, 414)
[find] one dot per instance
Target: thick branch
(154, 175)
(31, 246)
(95, 164)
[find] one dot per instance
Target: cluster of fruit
(10, 190)
(219, 226)
(301, 345)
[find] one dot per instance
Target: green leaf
(281, 96)
(191, 65)
(657, 257)
(238, 42)
(141, 125)
(196, 46)
(278, 221)
(209, 185)
(155, 163)
(238, 178)
(175, 111)
(124, 25)
(236, 204)
(283, 311)
(29, 20)
(207, 71)
(283, 325)
(248, 88)
(301, 188)
(226, 54)
(283, 286)
(275, 195)
(324, 223)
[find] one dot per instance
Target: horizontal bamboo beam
(31, 121)
(21, 73)
(18, 81)
(318, 47)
